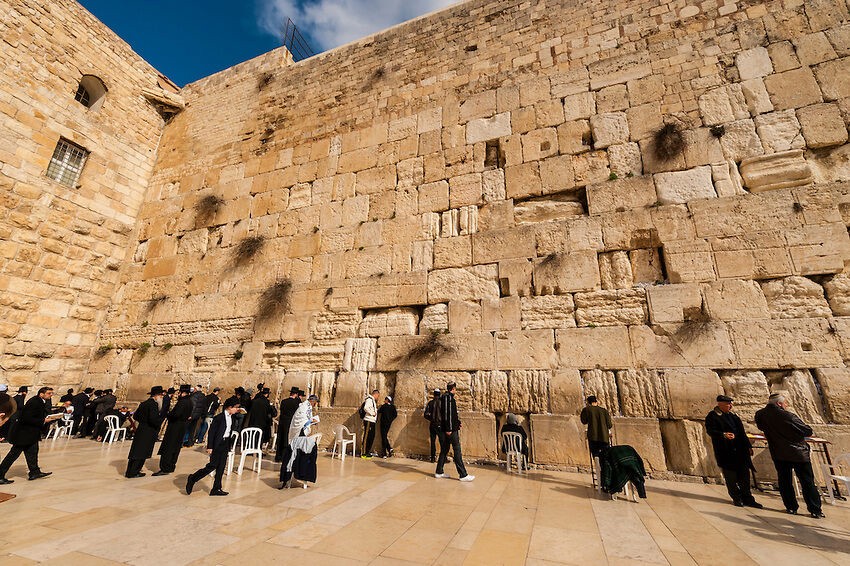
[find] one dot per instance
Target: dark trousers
(385, 441)
(452, 440)
(597, 447)
(217, 463)
(434, 433)
(191, 431)
(168, 461)
(806, 476)
(738, 483)
(368, 437)
(134, 466)
(78, 420)
(30, 452)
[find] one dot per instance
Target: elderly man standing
(786, 438)
(148, 417)
(732, 450)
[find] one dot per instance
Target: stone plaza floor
(387, 512)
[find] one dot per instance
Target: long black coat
(387, 413)
(216, 442)
(730, 454)
(27, 429)
(785, 432)
(79, 403)
(287, 410)
(149, 422)
(178, 421)
(261, 416)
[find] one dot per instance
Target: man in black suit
(6, 428)
(149, 421)
(79, 403)
(262, 413)
(220, 439)
(287, 409)
(172, 440)
(26, 433)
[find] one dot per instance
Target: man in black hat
(732, 450)
(172, 440)
(433, 423)
(221, 436)
(262, 413)
(287, 409)
(148, 422)
(25, 434)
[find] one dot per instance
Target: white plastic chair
(114, 430)
(342, 438)
(512, 442)
(252, 445)
(830, 473)
(317, 437)
(60, 428)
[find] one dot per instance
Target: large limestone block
(547, 311)
(350, 388)
(587, 348)
(715, 107)
(477, 436)
(620, 307)
(690, 344)
(780, 343)
(692, 391)
(684, 186)
(559, 440)
(561, 273)
(609, 129)
(838, 291)
(332, 326)
(727, 179)
(529, 391)
(615, 270)
(490, 391)
(435, 318)
(625, 160)
(800, 392)
(644, 435)
(602, 384)
(793, 89)
(647, 266)
(485, 129)
(496, 245)
(390, 322)
(515, 277)
(748, 389)
(795, 297)
(621, 194)
(468, 352)
(565, 392)
(643, 393)
(780, 131)
(834, 78)
(818, 249)
(619, 69)
(740, 140)
(734, 300)
(452, 252)
(534, 211)
(671, 303)
(688, 448)
(526, 349)
(501, 314)
(753, 63)
(689, 261)
(823, 125)
(776, 171)
(464, 316)
(835, 384)
(471, 284)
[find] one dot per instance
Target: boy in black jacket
(450, 435)
(219, 440)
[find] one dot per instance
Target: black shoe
(139, 475)
(39, 475)
(737, 503)
(160, 473)
(4, 481)
(218, 492)
(189, 485)
(818, 515)
(754, 504)
(791, 511)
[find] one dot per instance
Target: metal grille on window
(82, 96)
(67, 163)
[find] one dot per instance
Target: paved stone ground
(387, 512)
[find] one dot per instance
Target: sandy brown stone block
(835, 384)
(823, 125)
(780, 131)
(684, 186)
(801, 393)
(548, 311)
(526, 349)
(495, 245)
(692, 392)
(834, 78)
(485, 129)
(479, 282)
(556, 175)
(529, 391)
(671, 303)
(571, 446)
(690, 344)
(688, 448)
(586, 348)
(689, 261)
(390, 322)
(434, 318)
(644, 435)
(544, 210)
(838, 291)
(781, 343)
(621, 194)
(565, 392)
(602, 384)
(615, 270)
(643, 393)
(609, 129)
(464, 317)
(523, 180)
(795, 297)
(748, 389)
(574, 137)
(793, 89)
(471, 351)
(575, 271)
(740, 140)
(734, 300)
(646, 266)
(620, 307)
(515, 277)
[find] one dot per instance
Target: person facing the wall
(732, 450)
(599, 424)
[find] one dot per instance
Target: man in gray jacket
(786, 438)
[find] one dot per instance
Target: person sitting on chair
(512, 425)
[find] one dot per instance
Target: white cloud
(335, 22)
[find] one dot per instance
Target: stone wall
(61, 246)
(646, 201)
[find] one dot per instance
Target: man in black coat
(786, 438)
(19, 404)
(199, 412)
(220, 439)
(387, 413)
(433, 423)
(450, 435)
(25, 434)
(287, 410)
(732, 450)
(172, 440)
(262, 413)
(69, 396)
(79, 403)
(148, 422)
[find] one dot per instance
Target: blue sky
(189, 40)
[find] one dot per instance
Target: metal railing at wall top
(295, 42)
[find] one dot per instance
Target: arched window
(90, 92)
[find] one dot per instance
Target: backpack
(362, 410)
(429, 410)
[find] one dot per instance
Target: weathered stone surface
(837, 290)
(833, 78)
(435, 318)
(534, 211)
(464, 317)
(390, 322)
(609, 129)
(753, 63)
(823, 125)
(611, 308)
(671, 303)
(795, 297)
(688, 448)
(776, 171)
(684, 186)
(643, 393)
(334, 325)
(548, 311)
(690, 344)
(779, 343)
(473, 283)
(748, 389)
(740, 140)
(621, 194)
(793, 89)
(800, 393)
(692, 392)
(615, 270)
(727, 179)
(644, 435)
(496, 245)
(484, 129)
(571, 449)
(564, 272)
(587, 348)
(780, 131)
(835, 384)
(625, 160)
(529, 391)
(602, 384)
(350, 389)
(647, 266)
(473, 351)
(565, 392)
(734, 300)
(526, 349)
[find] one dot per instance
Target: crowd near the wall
(183, 417)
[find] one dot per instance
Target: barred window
(82, 96)
(67, 163)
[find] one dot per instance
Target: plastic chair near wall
(830, 474)
(60, 428)
(343, 438)
(114, 430)
(252, 445)
(513, 449)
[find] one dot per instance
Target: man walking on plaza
(599, 424)
(287, 410)
(172, 440)
(370, 417)
(433, 423)
(786, 438)
(220, 439)
(450, 434)
(25, 434)
(732, 450)
(149, 418)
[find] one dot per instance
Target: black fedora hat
(156, 390)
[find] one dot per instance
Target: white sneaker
(441, 475)
(467, 478)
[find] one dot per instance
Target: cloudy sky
(191, 39)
